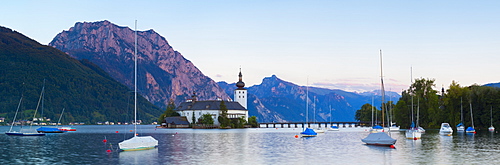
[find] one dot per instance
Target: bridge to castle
(320, 124)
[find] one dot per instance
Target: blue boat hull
(49, 130)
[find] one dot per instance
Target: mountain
(163, 73)
(87, 93)
(276, 100)
(493, 85)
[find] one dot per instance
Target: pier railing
(318, 124)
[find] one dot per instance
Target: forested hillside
(87, 93)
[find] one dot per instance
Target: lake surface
(245, 146)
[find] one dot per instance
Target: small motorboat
(445, 129)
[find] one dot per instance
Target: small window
(243, 96)
(239, 96)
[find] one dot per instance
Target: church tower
(240, 93)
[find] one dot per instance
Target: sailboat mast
(60, 116)
(471, 118)
(461, 111)
(135, 79)
(491, 115)
(307, 102)
(17, 110)
(382, 88)
(411, 80)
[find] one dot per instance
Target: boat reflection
(139, 157)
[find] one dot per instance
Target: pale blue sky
(335, 43)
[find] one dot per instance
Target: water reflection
(139, 157)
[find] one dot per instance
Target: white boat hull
(461, 129)
(445, 129)
(138, 143)
(413, 134)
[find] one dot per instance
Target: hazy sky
(332, 44)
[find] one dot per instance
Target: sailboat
(15, 133)
(52, 129)
(137, 142)
(380, 138)
(413, 132)
(332, 127)
(46, 129)
(471, 129)
(393, 127)
(317, 129)
(460, 126)
(308, 132)
(491, 128)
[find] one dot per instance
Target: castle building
(235, 109)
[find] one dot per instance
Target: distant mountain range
(85, 91)
(276, 100)
(493, 85)
(163, 73)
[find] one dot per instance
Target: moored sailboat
(137, 142)
(460, 126)
(491, 128)
(471, 129)
(380, 138)
(307, 132)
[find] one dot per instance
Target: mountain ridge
(164, 73)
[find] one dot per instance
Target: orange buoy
(296, 136)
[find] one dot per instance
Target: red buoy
(104, 140)
(116, 131)
(415, 138)
(296, 136)
(392, 146)
(108, 151)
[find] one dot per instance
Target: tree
(252, 120)
(169, 112)
(223, 119)
(207, 119)
(365, 113)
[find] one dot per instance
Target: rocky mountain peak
(163, 73)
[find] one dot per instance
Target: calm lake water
(245, 146)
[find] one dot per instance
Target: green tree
(169, 112)
(252, 120)
(223, 119)
(207, 119)
(365, 113)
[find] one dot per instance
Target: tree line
(430, 107)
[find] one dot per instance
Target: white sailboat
(380, 138)
(413, 132)
(491, 128)
(460, 126)
(332, 127)
(23, 133)
(393, 127)
(137, 142)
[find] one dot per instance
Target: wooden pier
(301, 124)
